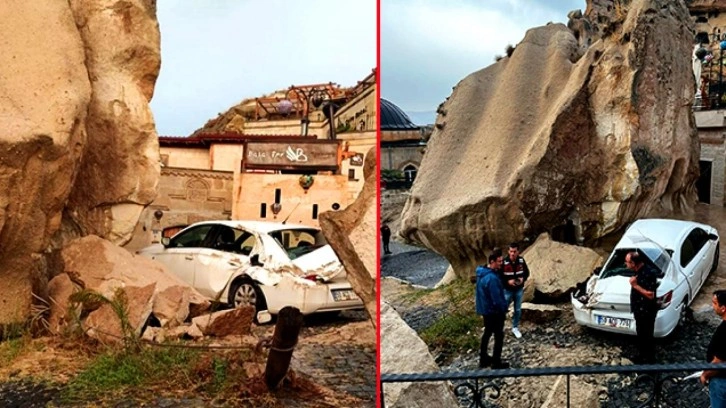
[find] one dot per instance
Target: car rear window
(298, 242)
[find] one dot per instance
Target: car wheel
(246, 292)
(715, 258)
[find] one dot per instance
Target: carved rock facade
(602, 137)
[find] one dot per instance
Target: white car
(684, 253)
(265, 264)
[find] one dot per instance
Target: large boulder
(46, 92)
(352, 233)
(98, 265)
(602, 137)
(403, 352)
(79, 153)
(120, 169)
(556, 267)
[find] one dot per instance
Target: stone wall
(185, 196)
(252, 190)
(396, 158)
(713, 150)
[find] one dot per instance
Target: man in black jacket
(716, 353)
(514, 273)
(643, 303)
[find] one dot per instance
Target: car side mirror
(255, 260)
(713, 237)
(597, 270)
(165, 241)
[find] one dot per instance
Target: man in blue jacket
(490, 303)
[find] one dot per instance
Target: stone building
(402, 142)
(278, 157)
(709, 20)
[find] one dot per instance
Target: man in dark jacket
(643, 303)
(716, 353)
(514, 273)
(490, 304)
(386, 237)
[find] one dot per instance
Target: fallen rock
(237, 321)
(171, 306)
(557, 268)
(100, 266)
(60, 288)
(104, 323)
(546, 135)
(540, 314)
(351, 233)
(188, 330)
(403, 351)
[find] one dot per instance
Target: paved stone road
(348, 368)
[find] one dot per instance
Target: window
(351, 175)
(409, 172)
(692, 245)
(192, 238)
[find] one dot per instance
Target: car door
(181, 254)
(224, 255)
(700, 240)
(695, 259)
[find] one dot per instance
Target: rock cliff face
(601, 134)
(78, 151)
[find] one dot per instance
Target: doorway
(703, 185)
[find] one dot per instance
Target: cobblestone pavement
(346, 367)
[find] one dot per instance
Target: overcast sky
(216, 53)
(428, 46)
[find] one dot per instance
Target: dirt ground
(35, 376)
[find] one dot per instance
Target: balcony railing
(658, 385)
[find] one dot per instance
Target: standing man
(716, 353)
(491, 305)
(386, 237)
(514, 273)
(643, 303)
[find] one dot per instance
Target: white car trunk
(322, 262)
(611, 293)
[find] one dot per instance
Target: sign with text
(283, 155)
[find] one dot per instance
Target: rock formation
(352, 233)
(602, 137)
(403, 352)
(79, 152)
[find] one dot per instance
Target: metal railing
(475, 387)
(712, 93)
(396, 184)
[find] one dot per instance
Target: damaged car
(683, 253)
(264, 264)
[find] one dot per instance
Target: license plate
(342, 295)
(613, 322)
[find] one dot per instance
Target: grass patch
(11, 349)
(416, 295)
(115, 372)
(459, 330)
(454, 333)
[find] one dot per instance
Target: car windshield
(654, 256)
(298, 242)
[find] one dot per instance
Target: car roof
(258, 226)
(664, 232)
